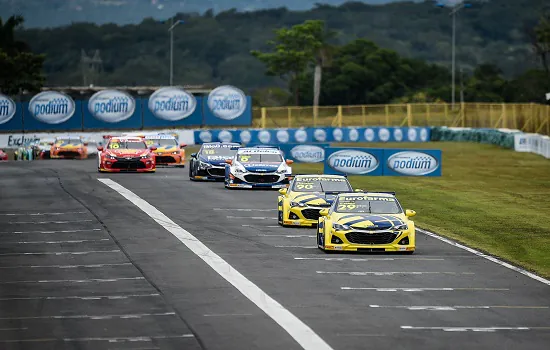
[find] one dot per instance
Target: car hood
(215, 160)
(169, 148)
(261, 167)
(69, 145)
(370, 221)
(314, 199)
(128, 152)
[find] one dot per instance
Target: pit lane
(100, 273)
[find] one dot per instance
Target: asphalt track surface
(82, 267)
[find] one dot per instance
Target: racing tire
(191, 177)
(280, 217)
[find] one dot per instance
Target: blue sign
(412, 162)
(354, 161)
(112, 109)
(171, 107)
(305, 153)
(52, 110)
(227, 105)
(10, 114)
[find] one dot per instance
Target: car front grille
(370, 238)
(128, 164)
(216, 172)
(69, 154)
(261, 178)
(311, 214)
(165, 159)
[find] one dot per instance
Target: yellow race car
(366, 222)
(306, 195)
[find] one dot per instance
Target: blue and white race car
(258, 167)
(209, 162)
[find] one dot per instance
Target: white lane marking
(301, 332)
(13, 329)
(42, 214)
(287, 236)
(57, 242)
(91, 317)
(233, 209)
(251, 217)
(60, 231)
(391, 273)
(473, 329)
(366, 259)
(110, 339)
(45, 222)
(485, 256)
(62, 266)
(412, 289)
(63, 253)
(271, 226)
(224, 315)
(90, 280)
(295, 246)
(90, 297)
(455, 307)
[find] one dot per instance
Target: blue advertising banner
(255, 136)
(412, 162)
(112, 109)
(170, 107)
(305, 153)
(354, 161)
(10, 114)
(52, 110)
(227, 105)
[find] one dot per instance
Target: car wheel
(320, 240)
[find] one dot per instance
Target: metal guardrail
(528, 117)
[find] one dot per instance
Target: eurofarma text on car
(209, 162)
(258, 167)
(168, 150)
(123, 154)
(307, 195)
(366, 222)
(69, 147)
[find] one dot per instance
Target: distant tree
(486, 85)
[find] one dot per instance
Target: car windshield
(368, 204)
(321, 184)
(224, 151)
(162, 142)
(260, 158)
(127, 145)
(68, 141)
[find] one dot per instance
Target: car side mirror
(193, 155)
(289, 161)
(323, 212)
(283, 191)
(183, 145)
(153, 148)
(410, 213)
(100, 148)
(229, 161)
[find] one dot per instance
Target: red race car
(3, 155)
(126, 154)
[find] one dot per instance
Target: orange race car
(126, 154)
(168, 151)
(69, 147)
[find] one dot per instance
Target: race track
(84, 267)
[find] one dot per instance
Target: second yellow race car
(306, 195)
(366, 222)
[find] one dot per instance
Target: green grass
(490, 198)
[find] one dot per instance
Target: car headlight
(109, 156)
(401, 227)
(238, 169)
(297, 204)
(146, 156)
(340, 227)
(281, 169)
(175, 152)
(204, 165)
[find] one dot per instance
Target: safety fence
(528, 117)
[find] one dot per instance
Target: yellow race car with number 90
(366, 222)
(306, 195)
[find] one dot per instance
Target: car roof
(321, 175)
(125, 138)
(254, 150)
(160, 137)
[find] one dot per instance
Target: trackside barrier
(533, 143)
(382, 162)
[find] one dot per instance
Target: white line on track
(455, 307)
(233, 209)
(64, 253)
(90, 280)
(485, 256)
(251, 217)
(42, 214)
(366, 259)
(391, 273)
(45, 222)
(57, 242)
(62, 266)
(60, 231)
(84, 297)
(287, 236)
(109, 339)
(91, 317)
(473, 329)
(301, 332)
(412, 289)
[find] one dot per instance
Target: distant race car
(366, 222)
(168, 151)
(43, 148)
(92, 148)
(300, 203)
(209, 162)
(258, 167)
(3, 155)
(126, 154)
(69, 147)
